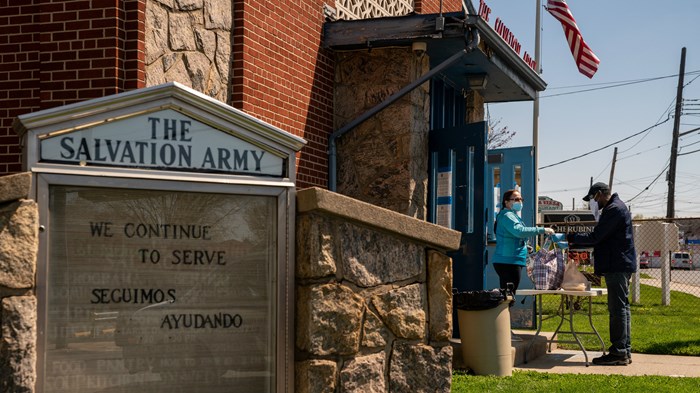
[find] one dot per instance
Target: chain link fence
(668, 256)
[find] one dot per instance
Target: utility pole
(670, 209)
(612, 170)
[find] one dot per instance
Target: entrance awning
(509, 77)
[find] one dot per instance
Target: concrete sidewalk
(561, 361)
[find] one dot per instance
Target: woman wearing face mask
(511, 240)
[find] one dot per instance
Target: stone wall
(189, 41)
(373, 295)
(383, 161)
(19, 218)
(374, 301)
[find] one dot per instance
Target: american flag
(586, 61)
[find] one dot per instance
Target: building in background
(545, 203)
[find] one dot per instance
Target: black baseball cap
(594, 189)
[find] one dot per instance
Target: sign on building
(568, 221)
(546, 204)
(573, 221)
(166, 245)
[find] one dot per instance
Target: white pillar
(636, 288)
(666, 265)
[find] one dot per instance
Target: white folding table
(567, 297)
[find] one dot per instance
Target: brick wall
(84, 47)
(19, 73)
(55, 52)
(433, 6)
(281, 76)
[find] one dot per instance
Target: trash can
(484, 327)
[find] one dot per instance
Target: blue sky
(634, 40)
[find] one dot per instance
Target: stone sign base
(374, 298)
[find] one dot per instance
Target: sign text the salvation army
(169, 145)
(161, 140)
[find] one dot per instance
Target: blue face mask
(517, 206)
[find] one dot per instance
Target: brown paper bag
(574, 280)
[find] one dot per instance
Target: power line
(624, 81)
(604, 147)
(616, 84)
(650, 184)
(666, 112)
(689, 144)
(692, 80)
(690, 152)
(654, 200)
(643, 151)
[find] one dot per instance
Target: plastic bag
(480, 300)
(574, 280)
(560, 240)
(546, 266)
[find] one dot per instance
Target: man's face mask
(594, 207)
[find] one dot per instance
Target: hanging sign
(506, 34)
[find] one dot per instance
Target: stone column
(383, 161)
(19, 233)
(475, 107)
(190, 42)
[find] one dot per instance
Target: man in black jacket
(615, 259)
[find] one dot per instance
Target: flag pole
(536, 104)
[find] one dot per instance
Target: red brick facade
(19, 74)
(282, 77)
(55, 52)
(433, 6)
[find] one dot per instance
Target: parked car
(644, 261)
(681, 260)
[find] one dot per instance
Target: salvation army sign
(155, 279)
(166, 140)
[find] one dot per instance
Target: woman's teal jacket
(511, 236)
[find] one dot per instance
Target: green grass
(532, 382)
(656, 329)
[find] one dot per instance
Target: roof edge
(173, 90)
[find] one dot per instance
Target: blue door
(457, 164)
(511, 168)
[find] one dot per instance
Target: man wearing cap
(615, 259)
